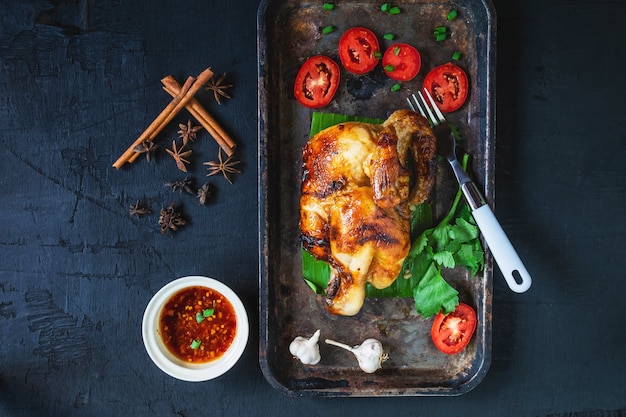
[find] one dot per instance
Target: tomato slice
(401, 62)
(448, 85)
(452, 332)
(358, 50)
(316, 81)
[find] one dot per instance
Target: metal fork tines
(416, 106)
(446, 143)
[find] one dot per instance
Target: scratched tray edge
(263, 186)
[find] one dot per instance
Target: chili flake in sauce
(198, 341)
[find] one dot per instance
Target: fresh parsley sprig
(453, 242)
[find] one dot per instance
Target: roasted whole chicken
(356, 197)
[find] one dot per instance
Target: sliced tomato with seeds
(448, 85)
(452, 332)
(316, 81)
(401, 62)
(359, 50)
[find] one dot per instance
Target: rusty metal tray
(288, 33)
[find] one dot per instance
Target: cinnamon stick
(172, 87)
(156, 126)
(186, 93)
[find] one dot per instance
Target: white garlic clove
(306, 350)
(369, 354)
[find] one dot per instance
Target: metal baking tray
(289, 31)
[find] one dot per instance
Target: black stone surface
(79, 81)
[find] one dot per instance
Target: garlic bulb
(370, 354)
(306, 350)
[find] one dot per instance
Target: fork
(509, 262)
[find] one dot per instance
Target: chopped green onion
(386, 8)
(389, 36)
(208, 312)
(378, 54)
(456, 56)
(451, 15)
(195, 344)
(328, 29)
(396, 51)
(328, 6)
(389, 68)
(395, 87)
(199, 317)
(440, 33)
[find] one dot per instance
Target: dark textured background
(79, 81)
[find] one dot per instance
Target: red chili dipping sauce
(198, 324)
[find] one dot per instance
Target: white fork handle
(503, 252)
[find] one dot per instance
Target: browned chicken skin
(354, 205)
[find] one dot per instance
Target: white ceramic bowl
(176, 367)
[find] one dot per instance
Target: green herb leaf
(385, 7)
(328, 6)
(445, 258)
(394, 10)
(396, 51)
(378, 54)
(471, 256)
(451, 15)
(199, 317)
(434, 294)
(439, 237)
(328, 29)
(195, 344)
(389, 68)
(462, 231)
(396, 87)
(457, 55)
(418, 245)
(389, 36)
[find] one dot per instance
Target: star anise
(138, 209)
(179, 156)
(188, 132)
(204, 193)
(186, 184)
(219, 88)
(225, 167)
(171, 219)
(147, 147)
